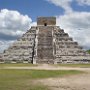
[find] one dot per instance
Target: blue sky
(35, 8)
(17, 16)
(32, 8)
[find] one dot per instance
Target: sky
(17, 16)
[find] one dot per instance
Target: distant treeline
(88, 51)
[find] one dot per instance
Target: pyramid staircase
(45, 45)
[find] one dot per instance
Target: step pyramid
(45, 43)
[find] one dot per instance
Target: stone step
(45, 43)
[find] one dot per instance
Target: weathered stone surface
(46, 21)
(45, 43)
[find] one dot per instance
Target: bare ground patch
(75, 82)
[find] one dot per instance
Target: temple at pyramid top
(46, 21)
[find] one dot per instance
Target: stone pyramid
(45, 43)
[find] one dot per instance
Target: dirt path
(46, 67)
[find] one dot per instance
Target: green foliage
(88, 51)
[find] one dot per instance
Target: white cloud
(12, 22)
(33, 24)
(77, 24)
(65, 4)
(83, 2)
(12, 25)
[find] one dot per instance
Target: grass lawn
(75, 65)
(17, 65)
(23, 79)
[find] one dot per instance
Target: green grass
(23, 79)
(75, 65)
(17, 65)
